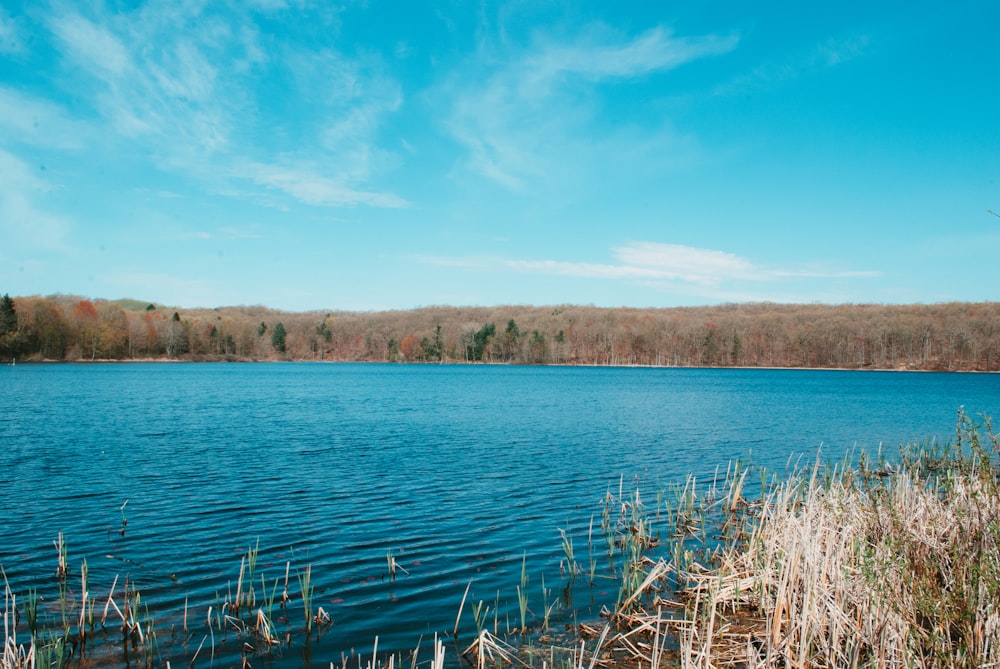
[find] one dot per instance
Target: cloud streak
(830, 53)
(23, 223)
(306, 185)
(196, 105)
(603, 57)
(653, 264)
(535, 117)
(27, 120)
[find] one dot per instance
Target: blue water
(459, 471)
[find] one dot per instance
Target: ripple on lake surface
(459, 471)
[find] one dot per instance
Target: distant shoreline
(915, 337)
(127, 361)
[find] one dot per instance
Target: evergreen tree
(8, 316)
(278, 335)
(480, 340)
(9, 339)
(510, 341)
(432, 350)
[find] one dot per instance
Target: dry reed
(893, 567)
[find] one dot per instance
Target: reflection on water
(458, 471)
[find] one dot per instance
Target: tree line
(952, 336)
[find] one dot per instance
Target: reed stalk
(590, 551)
(62, 566)
(522, 595)
(480, 615)
(84, 601)
(306, 589)
(460, 607)
(391, 562)
(567, 546)
(546, 607)
(124, 519)
(233, 605)
(15, 655)
(31, 610)
(269, 598)
(437, 662)
(251, 596)
(264, 629)
(284, 592)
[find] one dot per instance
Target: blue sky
(378, 155)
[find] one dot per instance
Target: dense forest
(953, 336)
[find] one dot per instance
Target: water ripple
(460, 473)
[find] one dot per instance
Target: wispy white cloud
(684, 263)
(236, 232)
(709, 267)
(172, 231)
(309, 186)
(347, 135)
(92, 46)
(829, 53)
(24, 223)
(194, 101)
(534, 116)
(697, 271)
(599, 56)
(37, 122)
(228, 233)
(159, 193)
(167, 97)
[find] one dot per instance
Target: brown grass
(898, 567)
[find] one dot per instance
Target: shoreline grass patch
(880, 564)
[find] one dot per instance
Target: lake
(461, 473)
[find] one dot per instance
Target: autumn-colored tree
(152, 324)
(410, 348)
(87, 326)
(84, 310)
(47, 330)
(113, 330)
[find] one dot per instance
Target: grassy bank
(889, 559)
